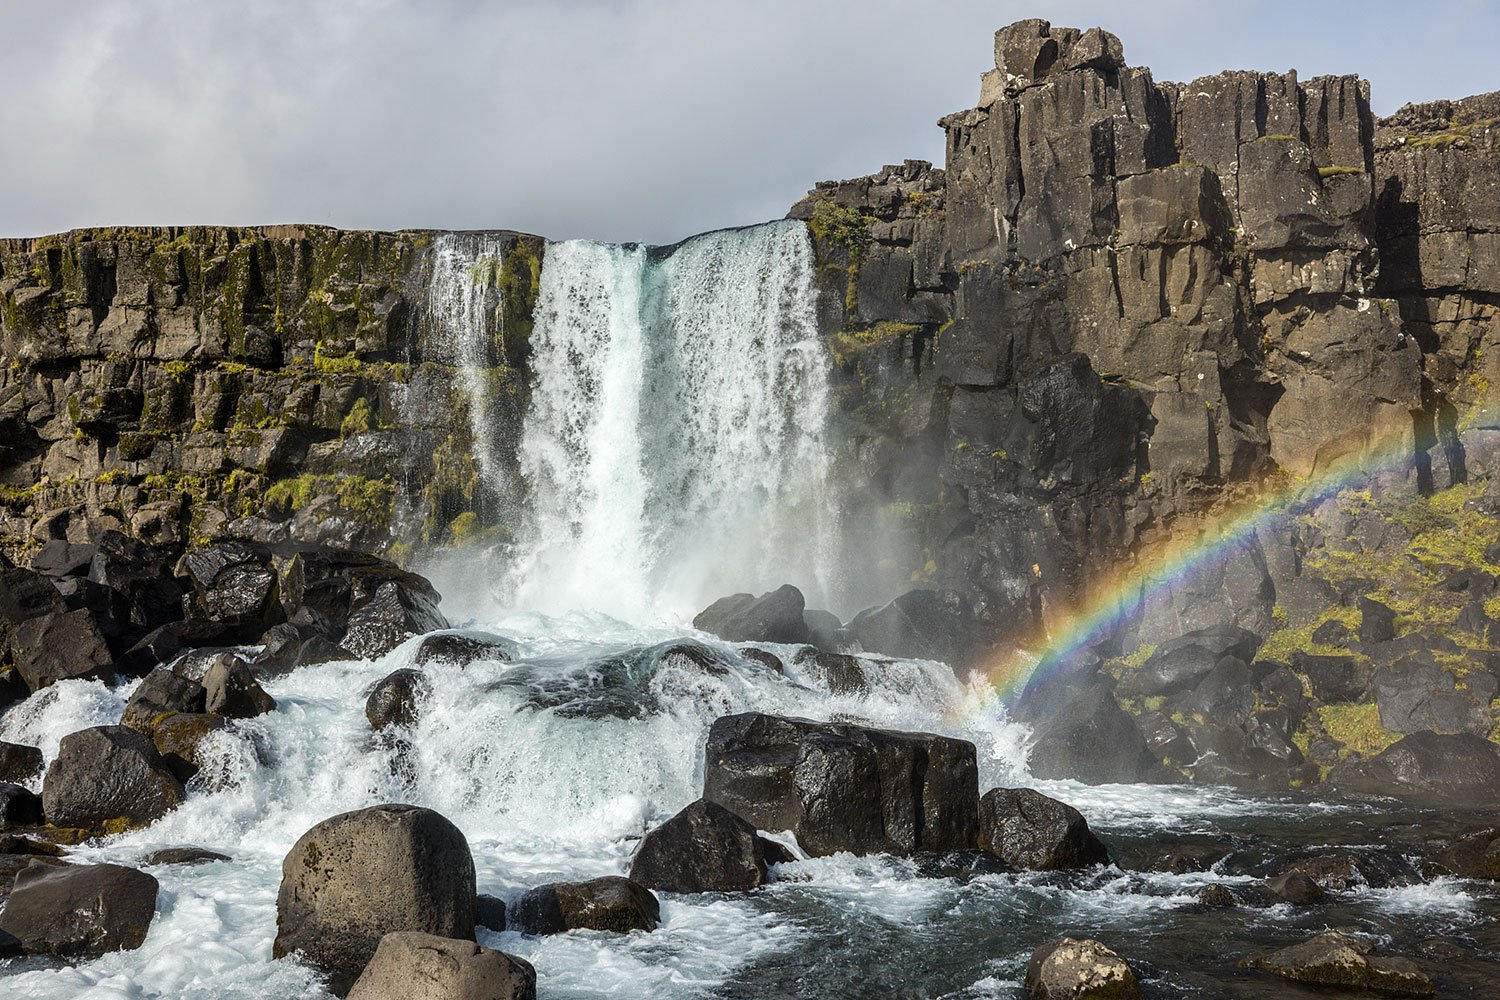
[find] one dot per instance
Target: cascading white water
(675, 446)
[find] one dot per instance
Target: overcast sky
(612, 119)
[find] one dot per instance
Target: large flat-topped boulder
(840, 787)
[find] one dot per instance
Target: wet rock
(331, 911)
(171, 641)
(1295, 887)
(920, 624)
(489, 911)
(772, 617)
(19, 806)
(231, 690)
(1476, 855)
(1031, 831)
(1073, 969)
(1082, 733)
(410, 965)
(1180, 664)
(704, 848)
(1414, 695)
(825, 631)
(1336, 679)
(1336, 959)
(179, 739)
(1342, 872)
(295, 644)
(1217, 896)
(12, 687)
(692, 655)
(160, 693)
(141, 573)
(1431, 768)
(19, 763)
(452, 647)
(396, 698)
(62, 646)
(387, 619)
(1226, 694)
(839, 673)
(842, 787)
(234, 583)
(25, 595)
(1166, 739)
(602, 904)
(79, 911)
(766, 659)
(108, 775)
(184, 856)
(1188, 858)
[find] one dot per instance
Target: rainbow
(1114, 598)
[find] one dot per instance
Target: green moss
(1357, 727)
(846, 345)
(1338, 171)
(1456, 137)
(369, 501)
(361, 418)
(18, 497)
(1277, 137)
(464, 527)
(177, 370)
(1282, 643)
(335, 364)
(111, 477)
(1137, 659)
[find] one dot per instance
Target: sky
(621, 120)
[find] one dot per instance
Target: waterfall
(675, 446)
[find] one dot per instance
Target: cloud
(625, 120)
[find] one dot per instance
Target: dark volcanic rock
(1179, 664)
(62, 646)
(1474, 856)
(1377, 622)
(1414, 695)
(388, 618)
(1073, 969)
(1336, 959)
(920, 624)
(60, 558)
(231, 690)
(18, 762)
(396, 697)
(1295, 887)
(602, 904)
(1085, 735)
(1459, 770)
(842, 787)
(165, 644)
(825, 631)
(108, 773)
(160, 693)
(840, 673)
(773, 617)
(452, 647)
(25, 595)
(1342, 871)
(1216, 895)
(489, 911)
(142, 574)
(1334, 679)
(79, 911)
(704, 848)
(19, 806)
(179, 738)
(331, 911)
(234, 583)
(410, 965)
(1029, 830)
(184, 856)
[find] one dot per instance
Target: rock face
(704, 848)
(1073, 969)
(79, 911)
(410, 965)
(331, 911)
(602, 904)
(1426, 767)
(108, 774)
(842, 787)
(1029, 830)
(1335, 959)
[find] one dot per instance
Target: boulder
(396, 698)
(411, 965)
(1377, 622)
(921, 624)
(461, 649)
(79, 911)
(1295, 887)
(1083, 734)
(230, 690)
(839, 673)
(841, 787)
(61, 646)
(1335, 679)
(19, 806)
(19, 763)
(704, 848)
(1476, 855)
(773, 617)
(610, 903)
(141, 573)
(322, 586)
(1226, 694)
(1342, 871)
(394, 613)
(290, 645)
(825, 631)
(489, 911)
(1337, 959)
(1073, 969)
(108, 775)
(1179, 664)
(179, 739)
(1217, 896)
(25, 595)
(361, 875)
(61, 558)
(1029, 830)
(1456, 770)
(160, 693)
(184, 856)
(1414, 694)
(233, 583)
(171, 641)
